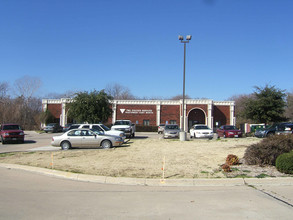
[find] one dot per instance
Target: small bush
(267, 151)
(284, 163)
(232, 160)
(226, 168)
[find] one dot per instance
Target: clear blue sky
(88, 44)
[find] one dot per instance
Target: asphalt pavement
(29, 195)
(241, 198)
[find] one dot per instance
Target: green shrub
(284, 163)
(267, 151)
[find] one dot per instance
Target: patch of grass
(246, 171)
(234, 169)
(204, 172)
(32, 152)
(241, 176)
(6, 154)
(262, 175)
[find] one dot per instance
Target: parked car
(270, 130)
(161, 128)
(66, 127)
(201, 131)
(171, 131)
(228, 131)
(53, 127)
(103, 129)
(286, 129)
(73, 126)
(126, 126)
(11, 133)
(85, 138)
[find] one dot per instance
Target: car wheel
(2, 140)
(65, 145)
(106, 144)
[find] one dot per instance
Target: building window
(146, 122)
(173, 122)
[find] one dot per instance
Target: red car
(228, 131)
(11, 132)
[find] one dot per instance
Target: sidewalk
(278, 181)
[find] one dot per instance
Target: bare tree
(67, 94)
(119, 92)
(178, 97)
(25, 104)
(4, 87)
(240, 102)
(27, 86)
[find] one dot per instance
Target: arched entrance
(196, 116)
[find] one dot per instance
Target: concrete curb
(281, 181)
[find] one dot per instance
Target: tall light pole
(183, 132)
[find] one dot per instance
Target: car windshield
(11, 127)
(230, 128)
(105, 128)
(122, 123)
(51, 125)
(171, 127)
(201, 127)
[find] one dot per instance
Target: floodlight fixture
(180, 37)
(188, 37)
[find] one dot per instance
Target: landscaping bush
(141, 128)
(226, 168)
(284, 163)
(232, 160)
(267, 151)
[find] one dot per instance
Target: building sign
(136, 111)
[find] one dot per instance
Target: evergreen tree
(267, 105)
(93, 107)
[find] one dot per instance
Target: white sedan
(85, 138)
(201, 131)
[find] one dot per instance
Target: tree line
(265, 105)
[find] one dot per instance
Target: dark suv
(271, 130)
(11, 132)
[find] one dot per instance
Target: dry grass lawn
(142, 158)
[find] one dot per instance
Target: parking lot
(42, 141)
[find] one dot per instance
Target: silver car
(85, 138)
(171, 131)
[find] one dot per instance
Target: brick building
(155, 112)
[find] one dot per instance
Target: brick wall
(222, 115)
(137, 113)
(203, 107)
(170, 112)
(55, 109)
